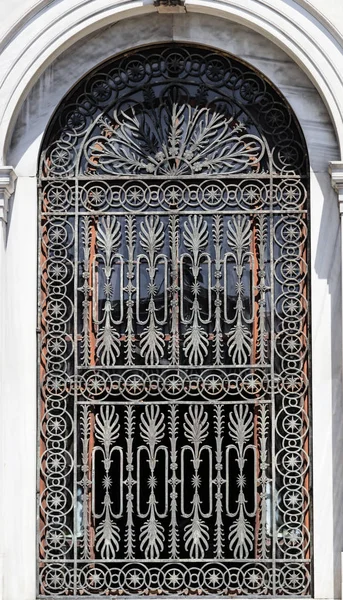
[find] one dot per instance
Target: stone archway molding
(295, 26)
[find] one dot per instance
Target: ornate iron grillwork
(174, 419)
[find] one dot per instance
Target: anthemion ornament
(174, 394)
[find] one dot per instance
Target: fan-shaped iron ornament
(174, 395)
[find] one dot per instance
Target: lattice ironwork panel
(174, 397)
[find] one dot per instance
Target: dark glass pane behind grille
(174, 428)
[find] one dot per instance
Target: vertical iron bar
(76, 270)
(272, 378)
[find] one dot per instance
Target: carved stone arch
(174, 424)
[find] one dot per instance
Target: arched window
(174, 400)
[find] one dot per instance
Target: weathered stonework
(170, 6)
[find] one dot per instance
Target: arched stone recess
(297, 52)
(220, 34)
(293, 26)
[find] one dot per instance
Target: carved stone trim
(170, 6)
(7, 182)
(336, 172)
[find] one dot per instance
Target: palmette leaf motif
(107, 426)
(241, 537)
(151, 234)
(152, 339)
(195, 235)
(239, 340)
(152, 424)
(152, 428)
(196, 341)
(195, 344)
(196, 538)
(191, 141)
(239, 233)
(241, 531)
(241, 425)
(196, 424)
(107, 538)
(239, 343)
(108, 235)
(107, 341)
(152, 537)
(196, 533)
(107, 533)
(121, 154)
(152, 343)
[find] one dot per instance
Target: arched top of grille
(173, 111)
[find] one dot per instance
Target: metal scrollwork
(174, 372)
(191, 141)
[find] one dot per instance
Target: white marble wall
(18, 416)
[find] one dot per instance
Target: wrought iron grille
(174, 400)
